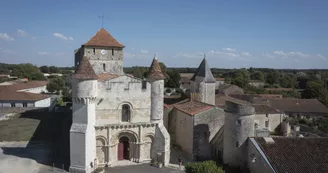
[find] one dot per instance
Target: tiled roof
(296, 155)
(279, 89)
(85, 70)
(171, 102)
(11, 95)
(193, 107)
(104, 39)
(105, 76)
(265, 109)
(155, 72)
(24, 85)
(294, 105)
(204, 71)
(220, 100)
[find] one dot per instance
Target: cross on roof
(102, 19)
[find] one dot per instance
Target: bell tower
(105, 53)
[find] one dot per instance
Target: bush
(202, 167)
(168, 90)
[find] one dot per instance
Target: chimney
(268, 140)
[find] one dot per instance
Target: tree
(272, 77)
(202, 167)
(44, 69)
(55, 85)
(257, 75)
(173, 80)
(240, 78)
(315, 90)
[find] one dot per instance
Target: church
(116, 116)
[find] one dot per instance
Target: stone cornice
(124, 126)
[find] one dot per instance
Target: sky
(231, 33)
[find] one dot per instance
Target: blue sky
(232, 34)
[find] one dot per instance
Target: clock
(103, 52)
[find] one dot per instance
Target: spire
(155, 71)
(84, 70)
(204, 71)
(103, 38)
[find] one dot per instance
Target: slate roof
(220, 100)
(103, 39)
(265, 109)
(85, 70)
(295, 105)
(155, 71)
(11, 95)
(24, 85)
(193, 107)
(296, 155)
(204, 71)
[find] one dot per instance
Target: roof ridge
(103, 38)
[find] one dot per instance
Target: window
(126, 113)
(113, 52)
(144, 84)
(266, 123)
(237, 144)
(24, 104)
(94, 51)
(267, 115)
(238, 122)
(12, 104)
(104, 66)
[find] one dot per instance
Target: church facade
(115, 116)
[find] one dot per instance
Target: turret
(82, 133)
(238, 126)
(156, 79)
(203, 83)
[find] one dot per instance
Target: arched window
(126, 113)
(104, 66)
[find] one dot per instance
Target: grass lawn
(18, 129)
(34, 125)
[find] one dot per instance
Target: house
(219, 82)
(287, 154)
(229, 89)
(256, 83)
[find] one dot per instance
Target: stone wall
(182, 129)
(114, 93)
(273, 121)
(206, 125)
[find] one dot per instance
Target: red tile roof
(103, 39)
(296, 155)
(155, 71)
(24, 85)
(105, 76)
(85, 70)
(11, 95)
(193, 107)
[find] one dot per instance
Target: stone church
(115, 115)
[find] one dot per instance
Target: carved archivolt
(101, 141)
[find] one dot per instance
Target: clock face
(103, 52)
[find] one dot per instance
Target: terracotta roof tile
(104, 39)
(296, 155)
(193, 107)
(105, 76)
(85, 70)
(155, 71)
(24, 85)
(12, 95)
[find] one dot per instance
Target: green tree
(173, 80)
(55, 85)
(257, 75)
(44, 69)
(272, 77)
(240, 78)
(316, 90)
(203, 167)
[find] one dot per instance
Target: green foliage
(173, 80)
(26, 71)
(203, 167)
(257, 75)
(316, 90)
(272, 77)
(323, 124)
(240, 78)
(55, 85)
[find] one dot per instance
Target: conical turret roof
(204, 71)
(85, 70)
(155, 71)
(104, 39)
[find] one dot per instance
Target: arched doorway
(123, 149)
(101, 150)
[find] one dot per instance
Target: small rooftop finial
(204, 55)
(155, 56)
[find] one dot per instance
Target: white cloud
(187, 55)
(225, 53)
(322, 57)
(246, 54)
(22, 33)
(282, 53)
(5, 36)
(229, 49)
(43, 53)
(63, 37)
(144, 51)
(7, 51)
